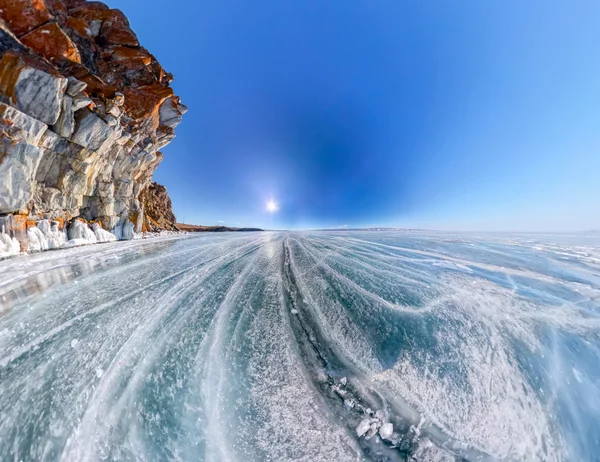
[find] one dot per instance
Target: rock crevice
(84, 112)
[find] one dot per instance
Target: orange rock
(110, 25)
(79, 26)
(24, 15)
(83, 7)
(58, 9)
(144, 102)
(61, 222)
(116, 30)
(10, 69)
(30, 224)
(19, 223)
(52, 43)
(121, 53)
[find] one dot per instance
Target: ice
(161, 349)
(45, 236)
(386, 431)
(81, 234)
(363, 427)
(124, 230)
(8, 246)
(427, 452)
(102, 235)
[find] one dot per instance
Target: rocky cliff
(84, 112)
(156, 205)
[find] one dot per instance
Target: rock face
(156, 206)
(84, 112)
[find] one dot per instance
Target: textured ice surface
(303, 346)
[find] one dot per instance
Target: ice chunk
(294, 311)
(363, 427)
(426, 450)
(386, 431)
(99, 372)
(37, 240)
(8, 245)
(45, 236)
(74, 343)
(372, 431)
(102, 235)
(124, 231)
(81, 234)
(344, 381)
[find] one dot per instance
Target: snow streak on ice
(303, 346)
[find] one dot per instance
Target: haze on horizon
(475, 116)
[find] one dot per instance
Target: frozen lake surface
(322, 346)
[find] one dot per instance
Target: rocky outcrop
(156, 207)
(84, 112)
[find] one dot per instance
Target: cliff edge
(84, 112)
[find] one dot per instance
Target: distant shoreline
(211, 229)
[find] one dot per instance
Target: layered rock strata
(84, 112)
(157, 209)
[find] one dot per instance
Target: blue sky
(449, 115)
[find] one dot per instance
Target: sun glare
(272, 207)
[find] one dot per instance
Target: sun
(272, 206)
